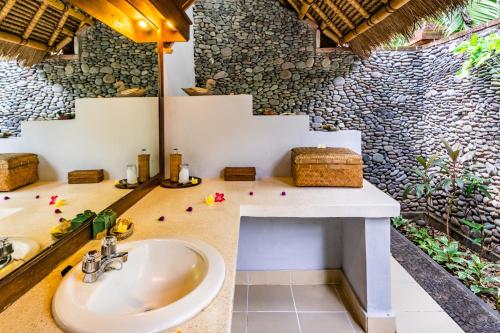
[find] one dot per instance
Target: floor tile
(272, 322)
(239, 324)
(317, 298)
(240, 298)
(325, 323)
(412, 297)
(270, 298)
(418, 322)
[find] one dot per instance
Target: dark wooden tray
(124, 186)
(169, 184)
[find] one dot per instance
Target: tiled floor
(275, 303)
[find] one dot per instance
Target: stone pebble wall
(402, 102)
(43, 91)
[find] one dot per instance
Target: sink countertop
(218, 225)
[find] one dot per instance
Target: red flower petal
(219, 197)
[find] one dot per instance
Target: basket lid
(329, 155)
(14, 160)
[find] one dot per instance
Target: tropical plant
(448, 253)
(475, 184)
(474, 272)
(478, 228)
(452, 180)
(399, 221)
(480, 51)
(475, 13)
(425, 187)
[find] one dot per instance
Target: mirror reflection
(47, 192)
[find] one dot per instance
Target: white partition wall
(107, 133)
(213, 132)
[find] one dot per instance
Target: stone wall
(403, 102)
(45, 91)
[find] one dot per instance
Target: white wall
(107, 133)
(213, 132)
(179, 66)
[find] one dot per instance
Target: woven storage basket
(336, 167)
(17, 170)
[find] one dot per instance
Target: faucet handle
(108, 246)
(91, 262)
(6, 247)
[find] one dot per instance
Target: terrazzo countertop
(217, 225)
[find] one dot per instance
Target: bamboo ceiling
(31, 29)
(367, 24)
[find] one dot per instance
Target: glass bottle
(184, 174)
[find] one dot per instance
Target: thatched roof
(367, 24)
(31, 29)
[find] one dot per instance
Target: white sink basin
(164, 283)
(24, 250)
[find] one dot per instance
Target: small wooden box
(85, 176)
(239, 173)
(17, 170)
(336, 167)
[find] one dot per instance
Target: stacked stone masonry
(45, 91)
(402, 102)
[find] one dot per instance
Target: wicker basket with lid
(336, 167)
(17, 170)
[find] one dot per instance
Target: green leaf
(475, 288)
(422, 161)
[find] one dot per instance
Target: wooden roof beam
(35, 19)
(328, 33)
(325, 19)
(359, 8)
(58, 5)
(297, 9)
(6, 9)
(304, 9)
(339, 13)
(376, 18)
(7, 37)
(59, 27)
(184, 4)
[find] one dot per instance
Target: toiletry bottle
(143, 162)
(131, 174)
(175, 162)
(184, 174)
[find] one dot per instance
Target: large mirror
(74, 126)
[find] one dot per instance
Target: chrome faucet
(96, 263)
(6, 250)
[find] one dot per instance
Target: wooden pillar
(161, 102)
